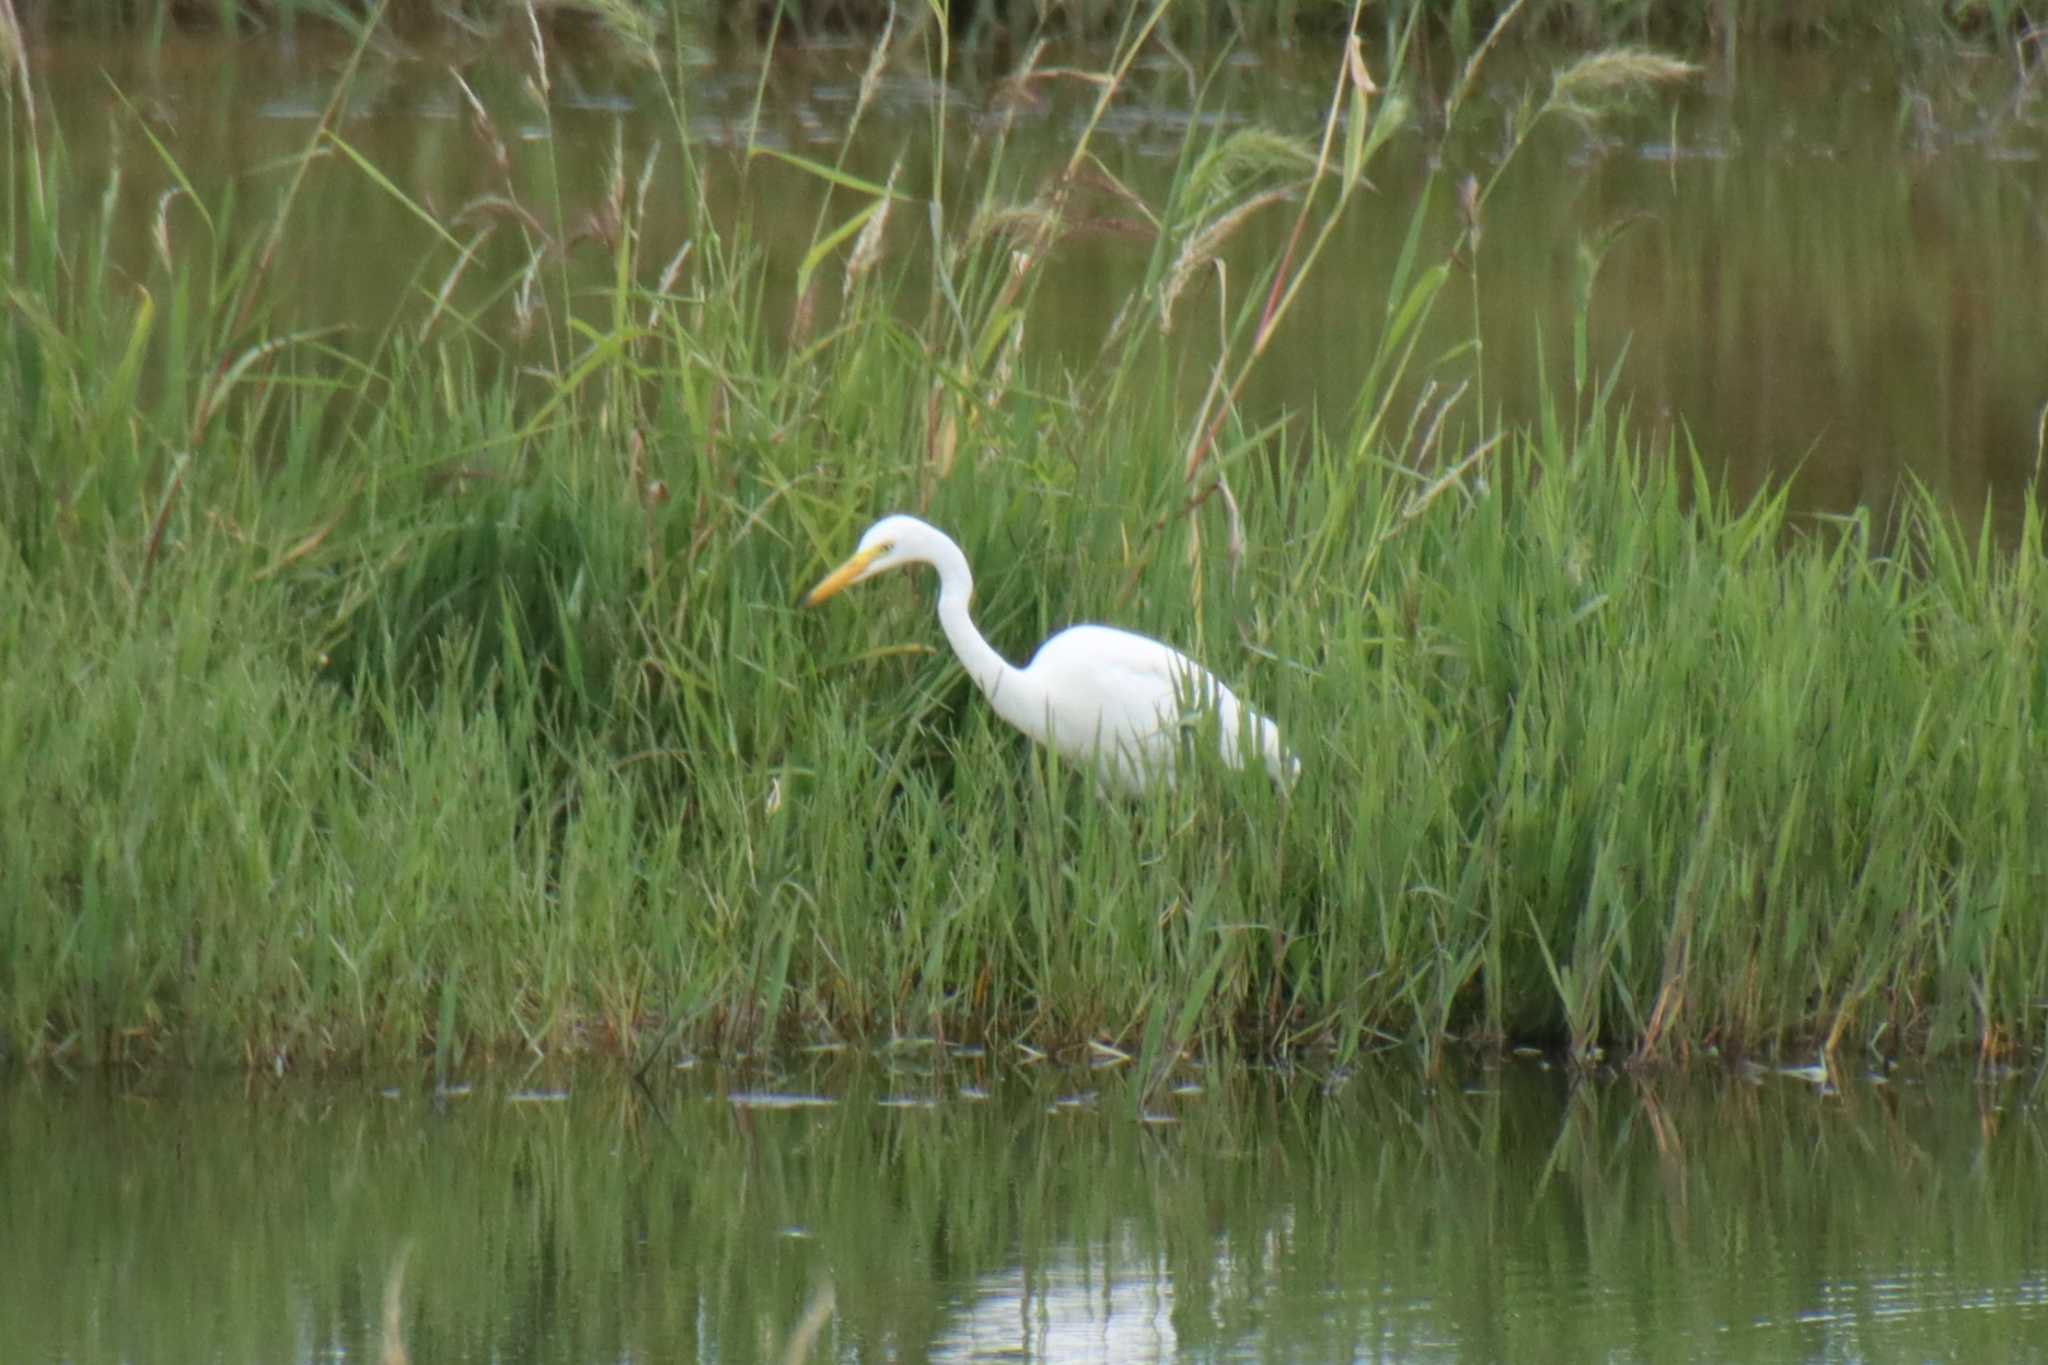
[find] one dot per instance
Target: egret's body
(1102, 698)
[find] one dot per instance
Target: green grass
(442, 692)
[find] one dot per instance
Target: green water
(1823, 265)
(962, 1208)
(1830, 264)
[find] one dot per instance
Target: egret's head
(889, 544)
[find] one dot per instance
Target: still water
(1821, 265)
(1826, 264)
(935, 1206)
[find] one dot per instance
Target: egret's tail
(1237, 723)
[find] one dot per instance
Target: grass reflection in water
(1499, 1211)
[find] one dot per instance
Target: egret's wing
(1102, 671)
(1117, 698)
(1113, 694)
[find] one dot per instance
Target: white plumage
(1102, 698)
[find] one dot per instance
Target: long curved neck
(1012, 691)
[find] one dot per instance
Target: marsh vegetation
(439, 687)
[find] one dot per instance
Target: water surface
(936, 1207)
(1820, 265)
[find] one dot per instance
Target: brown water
(1827, 267)
(936, 1207)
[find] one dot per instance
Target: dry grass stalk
(1204, 246)
(1470, 75)
(628, 24)
(1421, 500)
(1049, 227)
(871, 78)
(1093, 175)
(1249, 155)
(666, 282)
(540, 53)
(672, 269)
(606, 224)
(646, 182)
(1006, 360)
(1029, 221)
(867, 246)
(498, 206)
(225, 377)
(803, 316)
(1436, 421)
(1110, 225)
(526, 298)
(304, 546)
(481, 126)
(1103, 80)
(160, 225)
(1014, 91)
(1472, 210)
(1234, 539)
(1354, 62)
(1594, 82)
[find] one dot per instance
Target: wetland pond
(1828, 264)
(938, 1205)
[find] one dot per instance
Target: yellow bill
(845, 574)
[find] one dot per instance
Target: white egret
(1101, 697)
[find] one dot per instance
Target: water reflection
(1103, 1303)
(1508, 1213)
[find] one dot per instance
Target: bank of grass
(445, 694)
